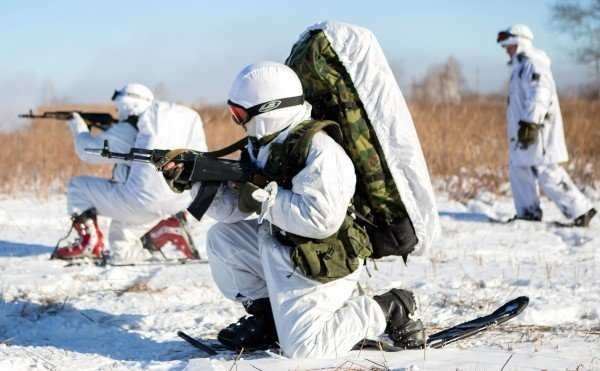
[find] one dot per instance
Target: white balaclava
(132, 100)
(268, 82)
(519, 35)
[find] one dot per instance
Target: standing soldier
(535, 132)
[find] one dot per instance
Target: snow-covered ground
(85, 317)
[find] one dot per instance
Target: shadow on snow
(90, 331)
(466, 216)
(17, 249)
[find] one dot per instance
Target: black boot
(532, 215)
(584, 220)
(397, 305)
(256, 331)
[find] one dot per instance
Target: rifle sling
(208, 189)
(169, 157)
(240, 144)
(205, 196)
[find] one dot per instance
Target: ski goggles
(242, 115)
(503, 35)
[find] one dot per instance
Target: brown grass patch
(139, 286)
(464, 145)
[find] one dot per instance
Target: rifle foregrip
(205, 196)
(211, 172)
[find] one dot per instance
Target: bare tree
(581, 20)
(443, 83)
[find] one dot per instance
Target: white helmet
(132, 100)
(518, 34)
(266, 97)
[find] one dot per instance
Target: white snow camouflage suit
(247, 262)
(137, 197)
(533, 98)
(313, 319)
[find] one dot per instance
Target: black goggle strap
(270, 105)
(117, 93)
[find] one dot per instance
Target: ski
(462, 330)
(198, 344)
(160, 262)
(167, 262)
(500, 221)
(213, 347)
(556, 224)
(564, 225)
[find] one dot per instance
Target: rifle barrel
(136, 154)
(94, 151)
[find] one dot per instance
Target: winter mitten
(177, 177)
(77, 124)
(527, 133)
(247, 203)
(399, 238)
(266, 197)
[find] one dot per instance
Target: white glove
(77, 124)
(266, 196)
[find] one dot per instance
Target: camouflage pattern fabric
(286, 159)
(321, 259)
(333, 257)
(329, 89)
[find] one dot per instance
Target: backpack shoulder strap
(299, 141)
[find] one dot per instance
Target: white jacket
(321, 192)
(162, 126)
(532, 98)
(120, 136)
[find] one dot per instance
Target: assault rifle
(102, 121)
(203, 167)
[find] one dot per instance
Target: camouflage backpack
(330, 90)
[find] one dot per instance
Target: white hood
(263, 82)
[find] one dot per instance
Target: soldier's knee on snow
(307, 349)
(311, 348)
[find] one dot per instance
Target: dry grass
(140, 286)
(464, 145)
(41, 158)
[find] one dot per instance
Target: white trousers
(128, 224)
(556, 184)
(313, 320)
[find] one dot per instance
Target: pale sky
(83, 50)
